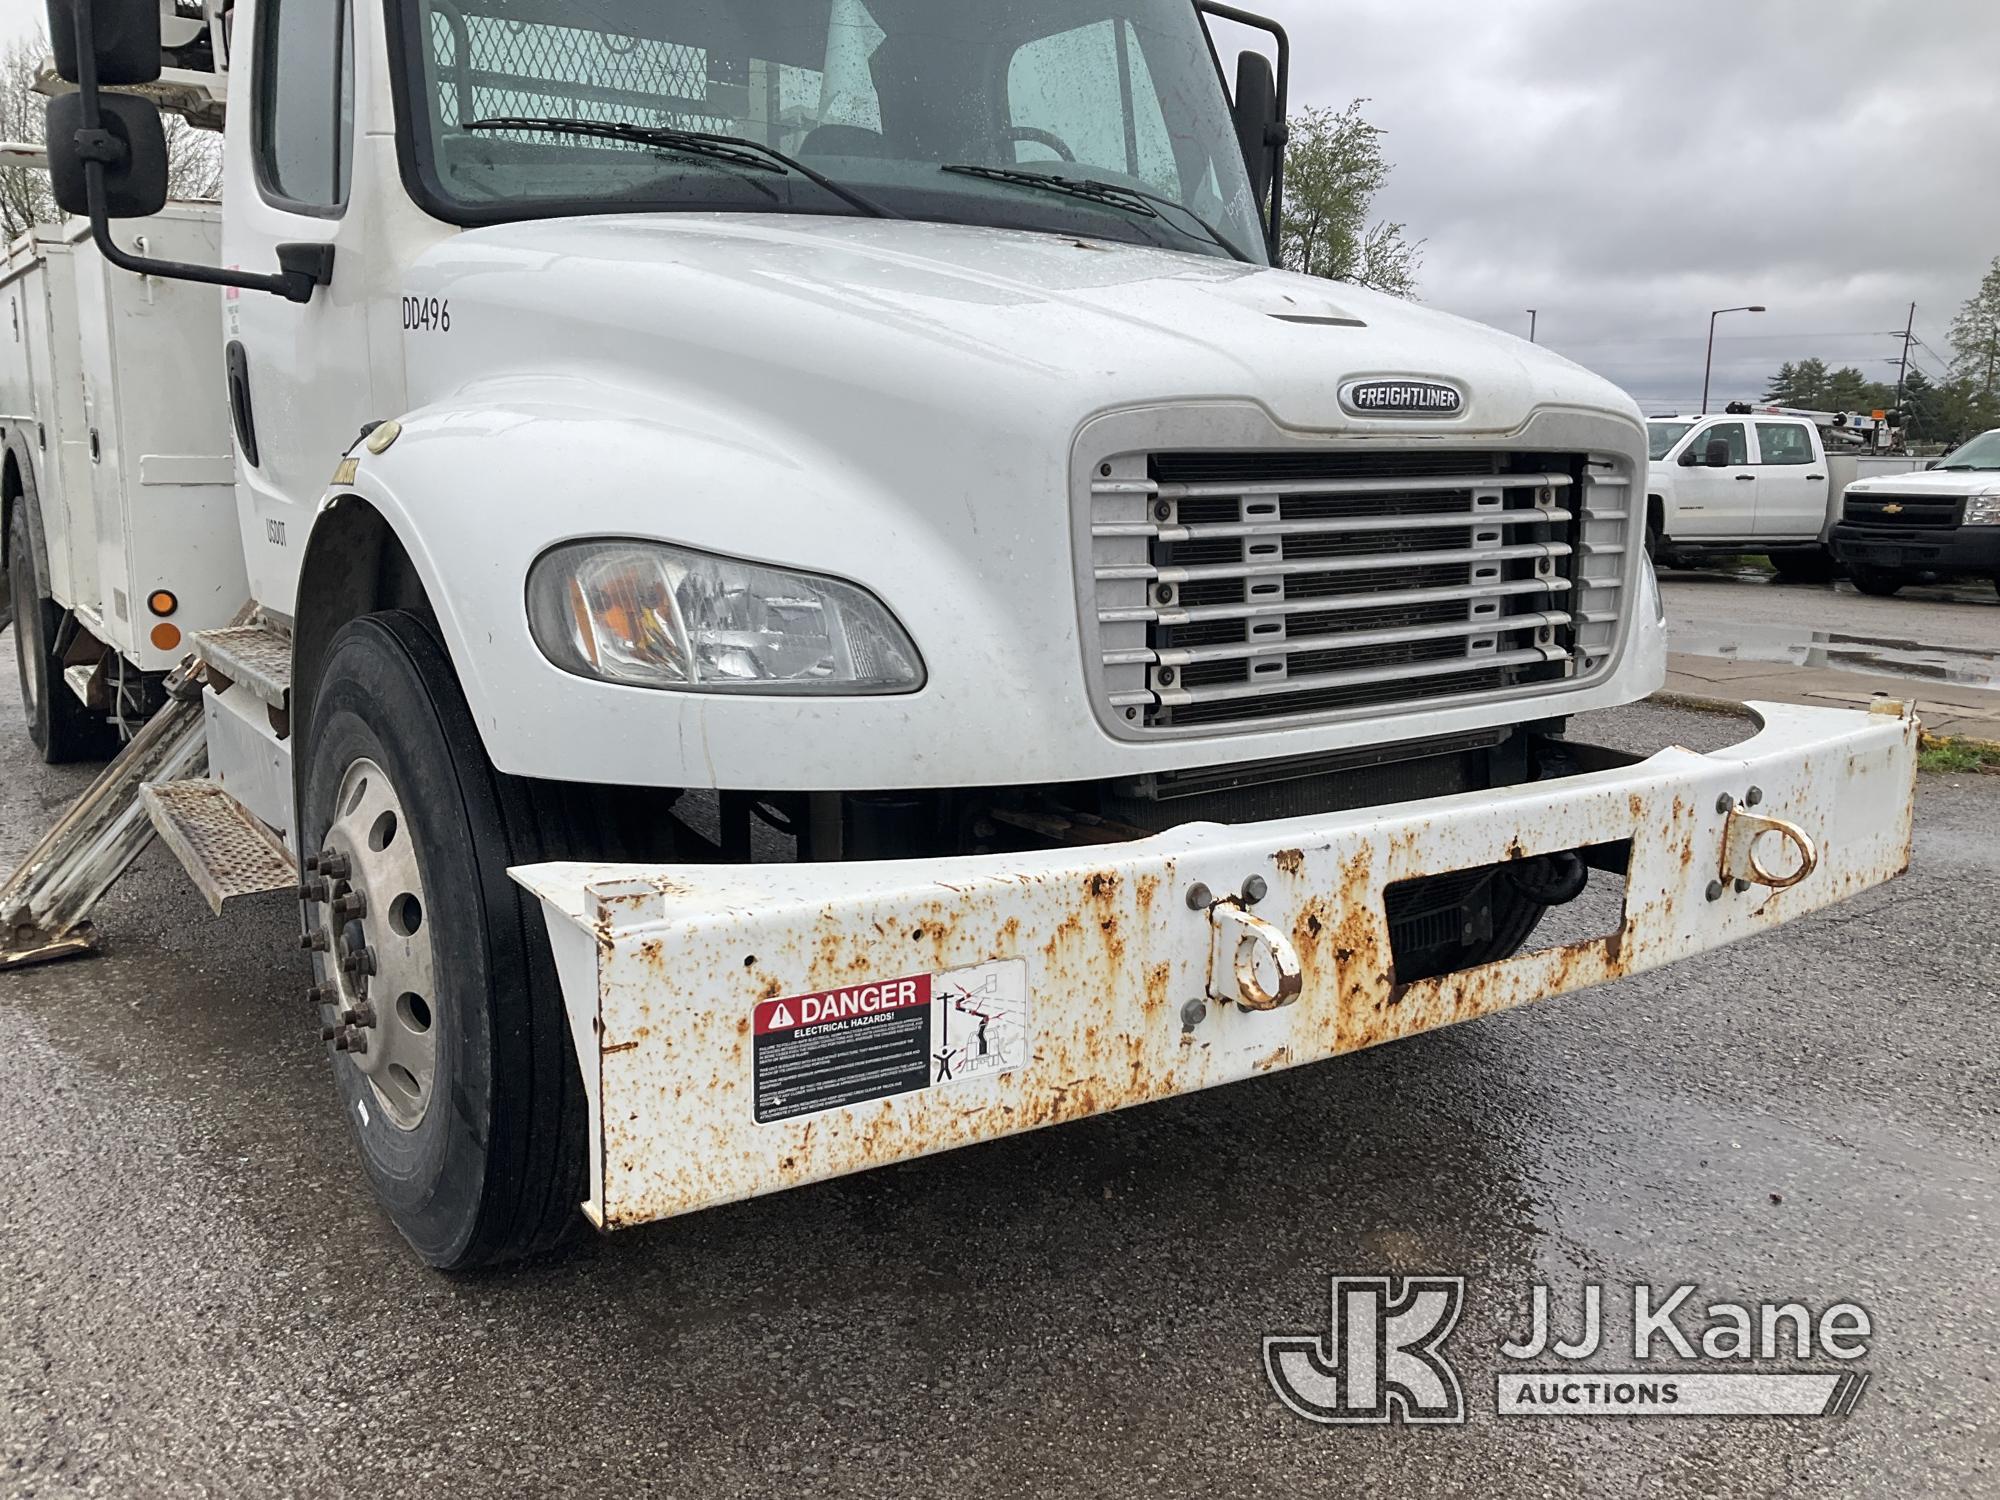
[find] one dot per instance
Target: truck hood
(1932, 482)
(918, 307)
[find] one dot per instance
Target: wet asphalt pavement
(197, 1297)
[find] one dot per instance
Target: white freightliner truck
(808, 596)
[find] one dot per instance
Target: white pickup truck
(790, 588)
(1751, 480)
(1944, 523)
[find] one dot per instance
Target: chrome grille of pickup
(1242, 589)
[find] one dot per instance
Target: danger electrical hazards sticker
(871, 1041)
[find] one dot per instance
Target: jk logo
(1380, 1361)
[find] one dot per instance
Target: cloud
(1627, 168)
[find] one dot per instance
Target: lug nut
(313, 892)
(323, 994)
(351, 907)
(331, 1033)
(312, 864)
(314, 942)
(361, 961)
(362, 1017)
(351, 1041)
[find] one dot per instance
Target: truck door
(1715, 502)
(300, 376)
(1791, 486)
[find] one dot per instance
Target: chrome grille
(1246, 588)
(1903, 512)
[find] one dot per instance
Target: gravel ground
(198, 1298)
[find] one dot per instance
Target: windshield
(879, 97)
(1665, 435)
(1983, 452)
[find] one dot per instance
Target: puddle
(1879, 656)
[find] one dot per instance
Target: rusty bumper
(747, 1029)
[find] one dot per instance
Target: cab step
(257, 657)
(227, 851)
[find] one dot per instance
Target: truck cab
(1738, 483)
(814, 595)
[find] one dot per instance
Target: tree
(1975, 339)
(194, 157)
(1811, 386)
(1334, 167)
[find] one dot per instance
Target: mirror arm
(306, 267)
(1278, 135)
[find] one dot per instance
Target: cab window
(1731, 433)
(1057, 93)
(304, 108)
(1784, 443)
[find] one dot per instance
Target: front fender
(475, 491)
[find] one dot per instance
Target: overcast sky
(1628, 165)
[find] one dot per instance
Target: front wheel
(1876, 582)
(451, 1047)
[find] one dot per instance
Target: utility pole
(1903, 369)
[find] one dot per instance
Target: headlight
(654, 616)
(1983, 510)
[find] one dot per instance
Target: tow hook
(1239, 941)
(1743, 865)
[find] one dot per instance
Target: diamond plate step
(227, 852)
(255, 656)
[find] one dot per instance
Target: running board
(256, 656)
(46, 903)
(226, 850)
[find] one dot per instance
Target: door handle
(1746, 478)
(1816, 479)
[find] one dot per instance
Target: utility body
(800, 592)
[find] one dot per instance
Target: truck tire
(1875, 582)
(64, 730)
(459, 1083)
(1816, 566)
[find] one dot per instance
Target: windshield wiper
(1110, 194)
(734, 150)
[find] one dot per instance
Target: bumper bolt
(1194, 1013)
(1200, 897)
(1725, 804)
(1742, 886)
(1163, 511)
(1255, 889)
(1754, 797)
(1715, 889)
(1164, 593)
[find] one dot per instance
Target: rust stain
(1290, 861)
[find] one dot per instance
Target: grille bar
(1352, 639)
(1396, 674)
(1343, 526)
(1466, 594)
(1368, 561)
(1398, 486)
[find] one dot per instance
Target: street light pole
(1534, 317)
(1709, 370)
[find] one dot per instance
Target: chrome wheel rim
(379, 970)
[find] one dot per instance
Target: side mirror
(125, 35)
(131, 143)
(1259, 128)
(1933, 463)
(1689, 458)
(1716, 455)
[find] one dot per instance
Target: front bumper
(1966, 549)
(684, 985)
